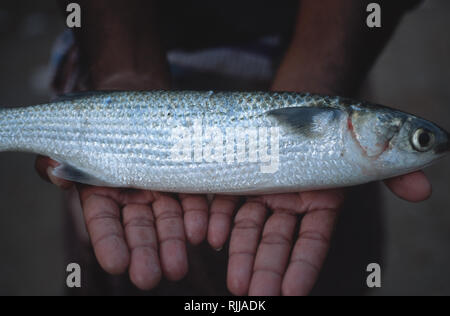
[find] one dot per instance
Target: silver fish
(222, 142)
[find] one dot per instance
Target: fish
(224, 142)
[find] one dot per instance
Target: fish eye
(422, 140)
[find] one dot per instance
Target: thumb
(45, 166)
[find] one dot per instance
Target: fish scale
(126, 139)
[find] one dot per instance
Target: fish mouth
(444, 147)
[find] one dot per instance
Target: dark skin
(265, 257)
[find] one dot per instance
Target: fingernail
(218, 249)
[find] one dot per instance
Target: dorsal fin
(81, 94)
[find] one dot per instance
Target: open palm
(142, 231)
(265, 256)
(146, 232)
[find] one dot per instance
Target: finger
(305, 201)
(41, 165)
(244, 241)
(171, 237)
(195, 208)
(273, 255)
(102, 216)
(413, 187)
(133, 196)
(145, 269)
(309, 251)
(44, 167)
(221, 211)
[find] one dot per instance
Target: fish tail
(3, 130)
(7, 138)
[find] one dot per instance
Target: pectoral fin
(310, 121)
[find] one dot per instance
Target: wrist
(302, 72)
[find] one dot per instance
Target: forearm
(332, 49)
(121, 38)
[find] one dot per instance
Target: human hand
(142, 231)
(139, 230)
(265, 256)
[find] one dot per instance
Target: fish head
(420, 142)
(396, 142)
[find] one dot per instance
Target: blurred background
(412, 74)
